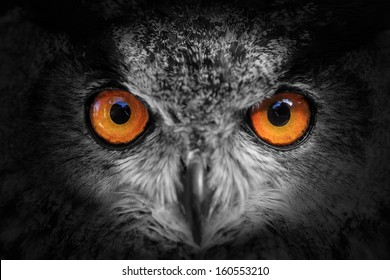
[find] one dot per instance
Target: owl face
(206, 86)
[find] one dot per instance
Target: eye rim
(101, 141)
(301, 140)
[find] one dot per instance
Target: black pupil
(279, 113)
(120, 112)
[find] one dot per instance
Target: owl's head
(226, 129)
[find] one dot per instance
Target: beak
(195, 201)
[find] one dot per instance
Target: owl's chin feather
(133, 228)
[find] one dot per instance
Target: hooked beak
(195, 196)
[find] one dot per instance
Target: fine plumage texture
(199, 67)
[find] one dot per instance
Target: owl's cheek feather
(206, 202)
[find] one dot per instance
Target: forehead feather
(198, 62)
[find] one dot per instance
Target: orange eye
(117, 116)
(282, 119)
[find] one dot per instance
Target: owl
(195, 130)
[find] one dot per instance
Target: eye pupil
(279, 113)
(120, 112)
